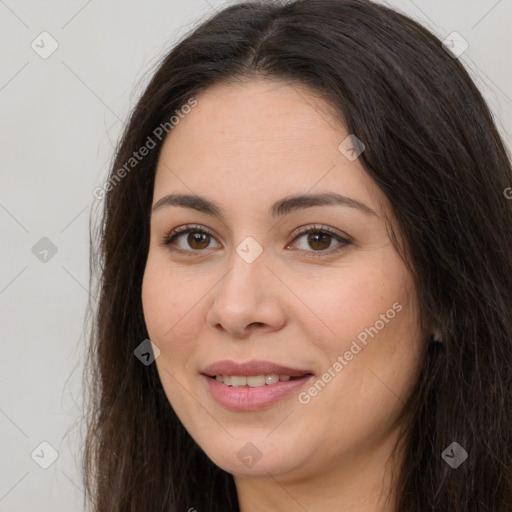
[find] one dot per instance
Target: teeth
(253, 381)
(271, 379)
(238, 381)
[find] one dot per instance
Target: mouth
(253, 385)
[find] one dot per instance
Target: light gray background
(60, 119)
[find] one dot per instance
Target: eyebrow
(278, 209)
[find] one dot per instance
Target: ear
(436, 335)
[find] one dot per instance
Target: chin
(256, 456)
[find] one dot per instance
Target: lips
(239, 386)
(252, 395)
(249, 368)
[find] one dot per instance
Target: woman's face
(334, 310)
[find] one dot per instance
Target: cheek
(374, 313)
(171, 307)
(352, 298)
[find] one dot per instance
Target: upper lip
(256, 367)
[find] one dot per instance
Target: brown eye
(198, 240)
(319, 241)
(189, 239)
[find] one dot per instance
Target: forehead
(256, 138)
(251, 108)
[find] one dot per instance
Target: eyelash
(169, 238)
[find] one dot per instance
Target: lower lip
(253, 399)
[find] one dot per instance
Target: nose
(247, 298)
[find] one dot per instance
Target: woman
(306, 216)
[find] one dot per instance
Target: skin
(246, 145)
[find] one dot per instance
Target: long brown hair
(433, 149)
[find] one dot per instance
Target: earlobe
(435, 337)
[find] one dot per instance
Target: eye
(320, 239)
(198, 238)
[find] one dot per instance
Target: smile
(253, 393)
